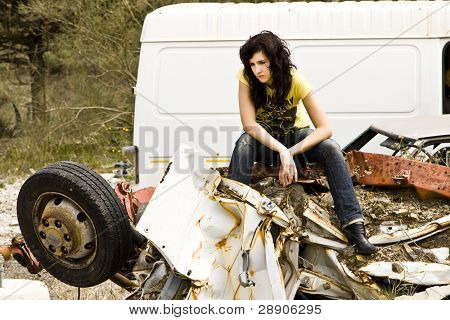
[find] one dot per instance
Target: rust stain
(260, 233)
(200, 246)
(230, 212)
(234, 261)
(194, 294)
(221, 244)
(235, 294)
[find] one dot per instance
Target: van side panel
(191, 80)
(358, 78)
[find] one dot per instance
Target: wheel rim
(65, 230)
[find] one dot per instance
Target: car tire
(74, 224)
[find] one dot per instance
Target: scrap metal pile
(232, 241)
(199, 235)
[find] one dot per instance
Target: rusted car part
(420, 273)
(430, 180)
(124, 282)
(20, 252)
(133, 200)
(413, 136)
(318, 276)
(23, 255)
(415, 234)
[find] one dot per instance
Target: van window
(446, 79)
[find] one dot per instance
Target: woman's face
(260, 65)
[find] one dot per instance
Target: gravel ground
(9, 228)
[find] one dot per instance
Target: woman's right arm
(288, 172)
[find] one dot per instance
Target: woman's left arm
(320, 121)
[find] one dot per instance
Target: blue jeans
(328, 153)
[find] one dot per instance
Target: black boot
(356, 235)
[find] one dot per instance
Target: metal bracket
(243, 274)
(402, 177)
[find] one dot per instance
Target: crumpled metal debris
(220, 224)
(393, 235)
(412, 272)
(232, 241)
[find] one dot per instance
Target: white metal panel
(362, 78)
(194, 80)
(298, 20)
(203, 235)
(413, 272)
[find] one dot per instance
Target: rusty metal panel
(132, 200)
(430, 180)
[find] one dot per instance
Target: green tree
(24, 36)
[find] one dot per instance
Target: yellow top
(291, 115)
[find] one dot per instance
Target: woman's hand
(288, 169)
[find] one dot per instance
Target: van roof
(298, 20)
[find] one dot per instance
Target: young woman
(270, 89)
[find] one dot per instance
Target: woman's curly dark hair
(279, 56)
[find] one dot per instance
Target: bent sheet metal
(220, 241)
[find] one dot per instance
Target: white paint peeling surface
(413, 272)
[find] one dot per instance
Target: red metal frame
(429, 180)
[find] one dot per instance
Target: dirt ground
(61, 291)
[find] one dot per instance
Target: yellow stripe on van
(160, 161)
(209, 160)
(213, 160)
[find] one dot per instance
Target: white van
(366, 61)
